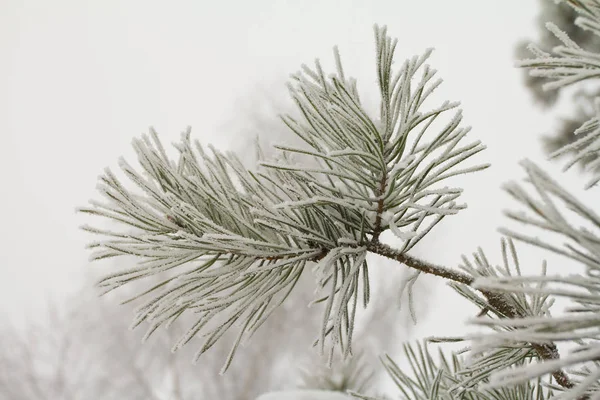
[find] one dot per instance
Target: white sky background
(80, 79)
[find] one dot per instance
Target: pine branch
(237, 241)
(546, 351)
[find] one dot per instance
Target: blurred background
(80, 79)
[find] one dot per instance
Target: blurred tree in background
(580, 98)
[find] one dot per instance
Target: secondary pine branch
(497, 300)
(546, 351)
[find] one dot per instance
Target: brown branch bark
(423, 266)
(377, 229)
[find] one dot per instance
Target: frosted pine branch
(234, 242)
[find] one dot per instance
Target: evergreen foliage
(236, 241)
